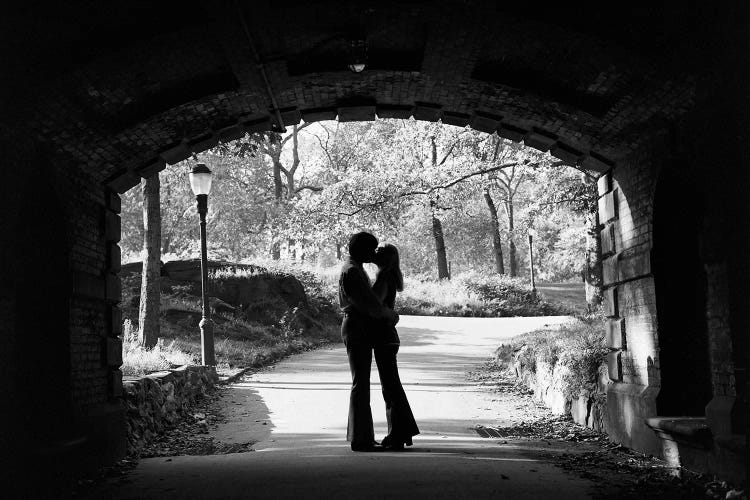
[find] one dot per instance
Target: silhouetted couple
(369, 326)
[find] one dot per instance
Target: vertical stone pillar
(625, 198)
(615, 335)
(113, 324)
(113, 293)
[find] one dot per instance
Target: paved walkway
(296, 414)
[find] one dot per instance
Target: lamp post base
(208, 357)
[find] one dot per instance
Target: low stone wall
(550, 388)
(157, 401)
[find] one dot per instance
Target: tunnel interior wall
(655, 356)
(625, 208)
(60, 352)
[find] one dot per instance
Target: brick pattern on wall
(88, 312)
(625, 204)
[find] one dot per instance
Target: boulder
(262, 297)
(187, 319)
(245, 291)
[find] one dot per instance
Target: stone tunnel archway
(108, 95)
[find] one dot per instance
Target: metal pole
(206, 325)
(531, 265)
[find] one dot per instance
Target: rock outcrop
(244, 291)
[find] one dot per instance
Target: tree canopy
(415, 184)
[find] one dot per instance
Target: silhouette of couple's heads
(363, 247)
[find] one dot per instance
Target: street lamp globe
(200, 179)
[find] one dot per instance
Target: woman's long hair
(392, 264)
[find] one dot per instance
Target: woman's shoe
(391, 443)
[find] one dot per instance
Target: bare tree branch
(589, 175)
(295, 152)
(460, 179)
(450, 150)
(296, 128)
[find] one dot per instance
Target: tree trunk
(338, 251)
(437, 227)
(442, 259)
(276, 250)
(278, 185)
(593, 271)
(511, 243)
(148, 313)
(496, 240)
(290, 187)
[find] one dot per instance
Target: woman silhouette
(401, 423)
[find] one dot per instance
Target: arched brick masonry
(104, 96)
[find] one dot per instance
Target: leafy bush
(475, 294)
(491, 287)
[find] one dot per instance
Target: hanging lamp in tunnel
(357, 55)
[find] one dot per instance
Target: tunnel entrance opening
(680, 283)
(238, 236)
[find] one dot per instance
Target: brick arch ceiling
(123, 88)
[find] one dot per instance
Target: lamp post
(532, 233)
(200, 182)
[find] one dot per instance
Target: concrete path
(296, 413)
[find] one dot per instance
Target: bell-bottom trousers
(401, 423)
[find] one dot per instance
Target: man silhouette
(360, 305)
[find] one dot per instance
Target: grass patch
(139, 361)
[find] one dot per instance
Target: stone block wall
(95, 322)
(625, 205)
(157, 401)
(550, 387)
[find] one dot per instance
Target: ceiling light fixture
(357, 55)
